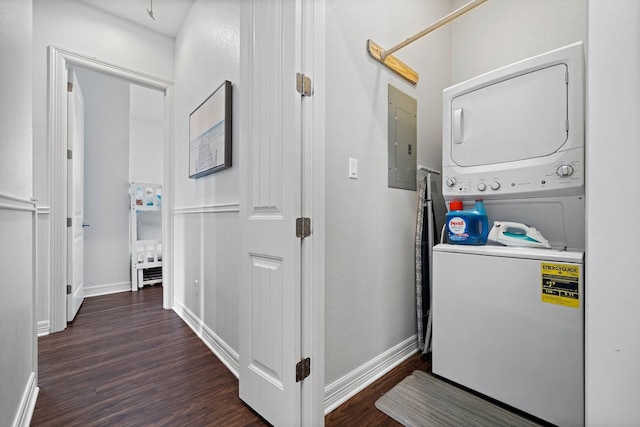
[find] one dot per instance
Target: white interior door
(75, 197)
(270, 191)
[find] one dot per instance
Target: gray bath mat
(423, 400)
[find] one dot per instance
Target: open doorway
(60, 61)
(124, 139)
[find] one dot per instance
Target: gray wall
(106, 179)
(18, 365)
(500, 32)
(370, 285)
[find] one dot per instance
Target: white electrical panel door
(519, 118)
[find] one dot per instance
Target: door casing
(59, 60)
(75, 196)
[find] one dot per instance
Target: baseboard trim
(43, 328)
(106, 289)
(226, 354)
(230, 207)
(341, 390)
(28, 403)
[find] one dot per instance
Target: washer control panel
(565, 177)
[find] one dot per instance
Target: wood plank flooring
(125, 361)
(360, 410)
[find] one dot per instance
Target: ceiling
(168, 14)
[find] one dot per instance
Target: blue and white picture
(210, 134)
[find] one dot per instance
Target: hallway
(126, 361)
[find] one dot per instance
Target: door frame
(58, 61)
(313, 184)
(75, 195)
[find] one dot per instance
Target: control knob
(495, 185)
(482, 186)
(564, 171)
(451, 182)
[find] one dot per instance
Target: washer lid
(522, 117)
(555, 255)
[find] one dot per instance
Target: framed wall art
(210, 133)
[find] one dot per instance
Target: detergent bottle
(467, 227)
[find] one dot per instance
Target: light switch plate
(353, 168)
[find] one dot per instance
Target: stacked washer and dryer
(508, 321)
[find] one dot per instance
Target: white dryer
(509, 322)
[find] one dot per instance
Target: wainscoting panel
(17, 317)
(43, 270)
(220, 275)
(206, 276)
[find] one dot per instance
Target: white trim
(14, 203)
(228, 356)
(28, 403)
(313, 181)
(43, 328)
(11, 197)
(106, 289)
(355, 381)
(59, 60)
(84, 61)
(167, 202)
(43, 210)
(230, 207)
(57, 149)
(34, 296)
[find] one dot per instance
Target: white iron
(517, 234)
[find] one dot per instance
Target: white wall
(207, 53)
(146, 135)
(206, 209)
(17, 332)
(612, 291)
(369, 272)
(80, 28)
(16, 115)
(500, 32)
(106, 179)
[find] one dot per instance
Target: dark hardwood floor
(125, 361)
(360, 410)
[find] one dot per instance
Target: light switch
(353, 168)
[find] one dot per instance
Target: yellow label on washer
(561, 284)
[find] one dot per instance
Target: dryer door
(519, 118)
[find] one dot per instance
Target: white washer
(508, 323)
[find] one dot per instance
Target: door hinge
(303, 227)
(303, 85)
(68, 289)
(69, 87)
(68, 222)
(69, 154)
(566, 77)
(303, 369)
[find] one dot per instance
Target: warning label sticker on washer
(560, 284)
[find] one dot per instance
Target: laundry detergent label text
(560, 284)
(457, 230)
